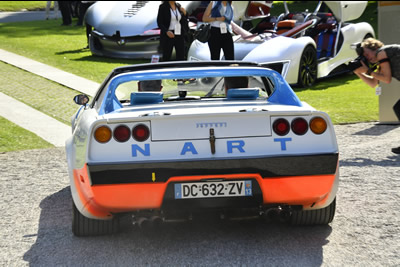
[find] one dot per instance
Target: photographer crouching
(379, 63)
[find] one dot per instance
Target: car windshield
(191, 89)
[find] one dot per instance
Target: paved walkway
(44, 126)
(24, 16)
(64, 78)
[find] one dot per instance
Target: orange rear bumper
(102, 200)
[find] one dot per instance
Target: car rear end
(232, 159)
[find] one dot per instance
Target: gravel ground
(36, 221)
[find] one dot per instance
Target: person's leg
(81, 13)
(48, 4)
(179, 44)
(68, 12)
(167, 46)
(88, 31)
(214, 43)
(396, 109)
(65, 12)
(227, 47)
(56, 10)
(62, 10)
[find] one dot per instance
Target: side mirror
(81, 99)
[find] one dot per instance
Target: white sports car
(172, 140)
(302, 46)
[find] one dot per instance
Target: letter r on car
(235, 144)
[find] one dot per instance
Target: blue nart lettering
(188, 147)
(235, 144)
(283, 142)
(144, 152)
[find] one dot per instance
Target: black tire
(308, 68)
(83, 226)
(314, 217)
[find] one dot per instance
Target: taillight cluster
(299, 126)
(122, 133)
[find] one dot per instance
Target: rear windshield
(195, 88)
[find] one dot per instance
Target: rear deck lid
(198, 127)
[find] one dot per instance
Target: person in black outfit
(173, 23)
(83, 7)
(220, 14)
(65, 8)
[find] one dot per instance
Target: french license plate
(213, 189)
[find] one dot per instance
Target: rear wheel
(308, 67)
(314, 217)
(83, 226)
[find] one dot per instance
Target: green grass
(46, 96)
(345, 98)
(60, 46)
(22, 5)
(15, 138)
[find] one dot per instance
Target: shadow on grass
(92, 58)
(76, 51)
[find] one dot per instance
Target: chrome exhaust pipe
(284, 215)
(272, 214)
(143, 223)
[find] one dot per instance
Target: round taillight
(102, 134)
(122, 133)
(281, 127)
(140, 132)
(318, 125)
(299, 126)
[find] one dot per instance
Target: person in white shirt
(220, 14)
(173, 24)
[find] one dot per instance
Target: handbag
(203, 33)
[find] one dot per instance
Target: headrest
(242, 93)
(146, 98)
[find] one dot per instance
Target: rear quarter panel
(279, 49)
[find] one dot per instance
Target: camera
(356, 63)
